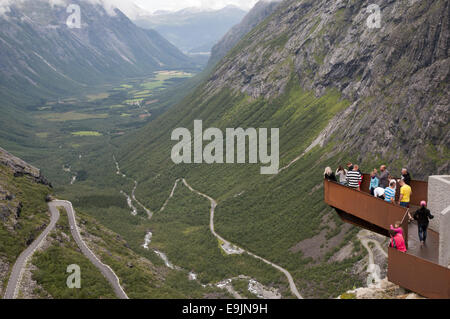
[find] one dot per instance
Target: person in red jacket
(397, 241)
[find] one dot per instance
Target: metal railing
(419, 275)
(364, 206)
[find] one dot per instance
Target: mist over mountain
(193, 30)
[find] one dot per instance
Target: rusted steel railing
(405, 227)
(363, 206)
(419, 275)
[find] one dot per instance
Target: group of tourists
(384, 186)
(351, 177)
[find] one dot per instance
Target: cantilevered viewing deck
(417, 270)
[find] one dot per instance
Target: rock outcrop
(384, 290)
(20, 168)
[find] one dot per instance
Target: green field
(71, 116)
(86, 133)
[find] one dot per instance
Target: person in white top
(341, 173)
(379, 192)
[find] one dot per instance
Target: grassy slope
(33, 216)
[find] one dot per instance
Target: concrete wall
(439, 205)
(444, 238)
(438, 197)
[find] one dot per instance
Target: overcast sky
(172, 5)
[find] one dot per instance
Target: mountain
(42, 56)
(255, 16)
(338, 91)
(336, 88)
(192, 30)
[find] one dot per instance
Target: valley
(209, 224)
(72, 126)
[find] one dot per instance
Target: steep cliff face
(396, 76)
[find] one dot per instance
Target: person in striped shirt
(354, 178)
(389, 193)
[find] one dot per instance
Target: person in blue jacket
(374, 182)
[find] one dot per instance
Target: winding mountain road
(18, 268)
(12, 289)
(292, 285)
(107, 272)
(228, 247)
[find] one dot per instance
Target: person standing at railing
(397, 240)
(374, 182)
(389, 193)
(342, 174)
(406, 177)
(329, 175)
(423, 216)
(383, 176)
(405, 194)
(349, 166)
(354, 178)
